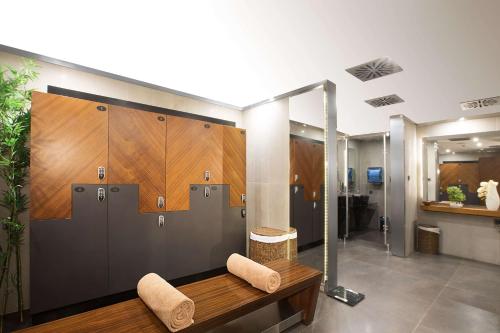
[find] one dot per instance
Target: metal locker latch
(101, 194)
(207, 191)
(295, 189)
(314, 194)
(207, 175)
(314, 205)
(296, 177)
(101, 172)
(161, 221)
(161, 202)
(243, 198)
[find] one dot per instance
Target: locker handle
(314, 205)
(161, 221)
(101, 194)
(207, 191)
(207, 175)
(295, 189)
(296, 177)
(101, 172)
(314, 194)
(161, 202)
(243, 198)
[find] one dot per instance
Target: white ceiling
(240, 52)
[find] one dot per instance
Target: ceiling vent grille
(480, 103)
(375, 69)
(459, 139)
(385, 100)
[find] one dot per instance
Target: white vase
(492, 199)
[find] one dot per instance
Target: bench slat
(217, 300)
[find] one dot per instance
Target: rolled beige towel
(259, 276)
(171, 306)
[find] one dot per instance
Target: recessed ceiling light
(475, 139)
(453, 153)
(302, 131)
(387, 134)
(461, 119)
(304, 125)
(479, 144)
(448, 150)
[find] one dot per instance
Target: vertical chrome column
(398, 186)
(331, 195)
(346, 187)
(386, 225)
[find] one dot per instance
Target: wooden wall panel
(459, 173)
(318, 169)
(489, 169)
(193, 147)
(137, 153)
(234, 163)
(69, 141)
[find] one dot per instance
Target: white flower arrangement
(482, 191)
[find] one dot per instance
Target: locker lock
(161, 202)
(295, 189)
(314, 205)
(207, 175)
(207, 191)
(161, 221)
(296, 177)
(314, 194)
(101, 194)
(243, 198)
(101, 172)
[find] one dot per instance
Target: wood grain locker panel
(459, 173)
(489, 169)
(69, 142)
(137, 141)
(193, 147)
(318, 177)
(292, 162)
(234, 164)
(304, 154)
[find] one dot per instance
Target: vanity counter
(465, 210)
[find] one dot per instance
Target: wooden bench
(217, 300)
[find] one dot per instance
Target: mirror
(462, 161)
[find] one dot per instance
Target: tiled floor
(421, 294)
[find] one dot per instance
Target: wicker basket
(428, 239)
(268, 244)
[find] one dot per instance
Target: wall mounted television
(375, 175)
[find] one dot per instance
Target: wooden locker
(318, 176)
(137, 141)
(303, 154)
(194, 148)
(69, 142)
(234, 164)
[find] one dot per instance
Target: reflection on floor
(419, 294)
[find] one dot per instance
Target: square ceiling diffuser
(384, 100)
(374, 69)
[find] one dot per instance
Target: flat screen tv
(375, 175)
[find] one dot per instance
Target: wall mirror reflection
(363, 171)
(459, 168)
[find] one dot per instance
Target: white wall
(471, 237)
(77, 80)
(307, 108)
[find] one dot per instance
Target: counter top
(465, 210)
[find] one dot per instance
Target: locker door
(302, 216)
(318, 176)
(234, 164)
(194, 156)
(69, 143)
(137, 154)
(303, 166)
(137, 242)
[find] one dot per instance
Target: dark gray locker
(137, 242)
(319, 218)
(302, 216)
(68, 260)
(202, 238)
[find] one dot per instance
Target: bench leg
(306, 301)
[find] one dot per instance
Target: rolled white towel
(259, 276)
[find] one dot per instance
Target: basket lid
(271, 232)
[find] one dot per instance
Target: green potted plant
(456, 196)
(15, 103)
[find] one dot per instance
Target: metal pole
(385, 192)
(346, 187)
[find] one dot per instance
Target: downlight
(480, 103)
(384, 100)
(375, 69)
